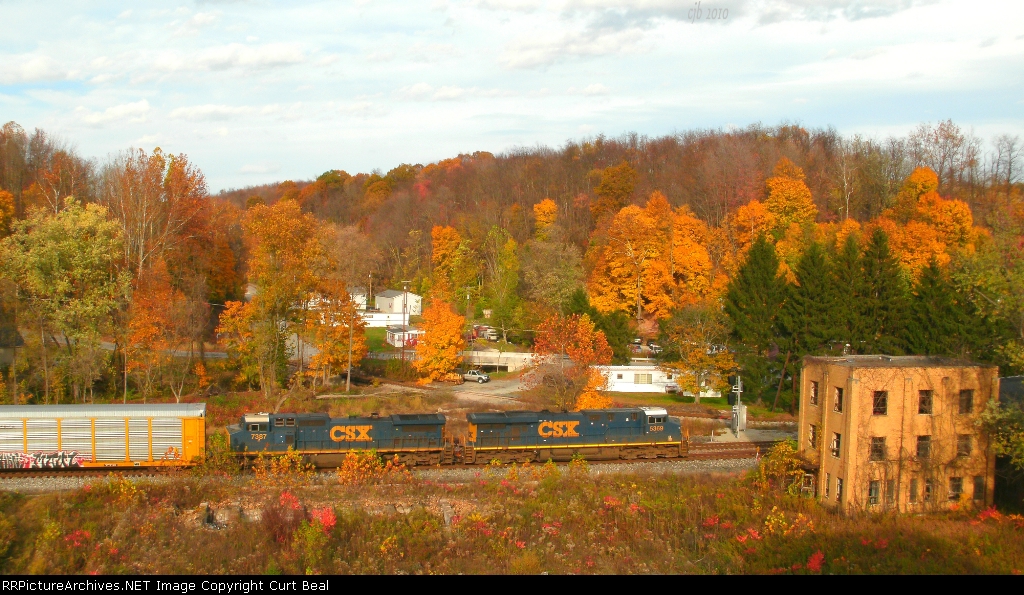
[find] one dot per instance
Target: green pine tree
(936, 321)
(755, 296)
(752, 302)
(883, 304)
(845, 289)
(804, 321)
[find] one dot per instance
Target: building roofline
(892, 361)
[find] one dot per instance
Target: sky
(259, 91)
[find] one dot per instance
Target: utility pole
(405, 318)
(369, 292)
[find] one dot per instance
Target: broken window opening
(880, 403)
(963, 445)
(966, 401)
(924, 447)
(877, 448)
(924, 402)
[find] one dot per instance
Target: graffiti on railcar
(61, 459)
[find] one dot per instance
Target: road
(503, 391)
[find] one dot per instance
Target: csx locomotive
(168, 435)
(511, 436)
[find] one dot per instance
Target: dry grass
(523, 520)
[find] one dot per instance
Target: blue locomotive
(417, 439)
(594, 434)
(510, 436)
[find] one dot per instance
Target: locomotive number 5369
(657, 428)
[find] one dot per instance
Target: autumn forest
(739, 249)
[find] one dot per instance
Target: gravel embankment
(70, 482)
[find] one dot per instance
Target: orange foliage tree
(626, 262)
(789, 199)
(158, 328)
(334, 323)
(577, 338)
(922, 225)
(439, 351)
(6, 212)
(545, 213)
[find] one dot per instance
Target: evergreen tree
(752, 302)
(846, 288)
(883, 304)
(936, 321)
(755, 296)
(804, 321)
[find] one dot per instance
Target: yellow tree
(545, 213)
(614, 190)
(789, 198)
(696, 348)
(6, 212)
(692, 269)
(439, 351)
(286, 251)
(334, 325)
(452, 261)
(624, 264)
(156, 331)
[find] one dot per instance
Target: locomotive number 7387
(258, 436)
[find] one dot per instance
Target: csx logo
(351, 433)
(557, 429)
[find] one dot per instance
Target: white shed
(391, 301)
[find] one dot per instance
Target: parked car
(671, 387)
(476, 375)
(655, 348)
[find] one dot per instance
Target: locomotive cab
(656, 421)
(251, 434)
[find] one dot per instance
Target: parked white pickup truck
(476, 375)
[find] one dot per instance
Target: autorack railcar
(416, 439)
(91, 436)
(595, 434)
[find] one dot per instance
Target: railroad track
(701, 451)
(58, 473)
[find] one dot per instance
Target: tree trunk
(781, 380)
(348, 377)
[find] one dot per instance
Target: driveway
(496, 391)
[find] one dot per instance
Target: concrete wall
(900, 426)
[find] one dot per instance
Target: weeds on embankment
(376, 518)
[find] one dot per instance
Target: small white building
(637, 379)
(410, 336)
(391, 301)
(358, 295)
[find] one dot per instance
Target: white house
(358, 295)
(391, 301)
(636, 379)
(410, 336)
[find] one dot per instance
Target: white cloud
(232, 56)
(543, 50)
(30, 68)
(589, 90)
(209, 112)
(123, 113)
(260, 168)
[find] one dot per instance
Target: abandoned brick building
(896, 432)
